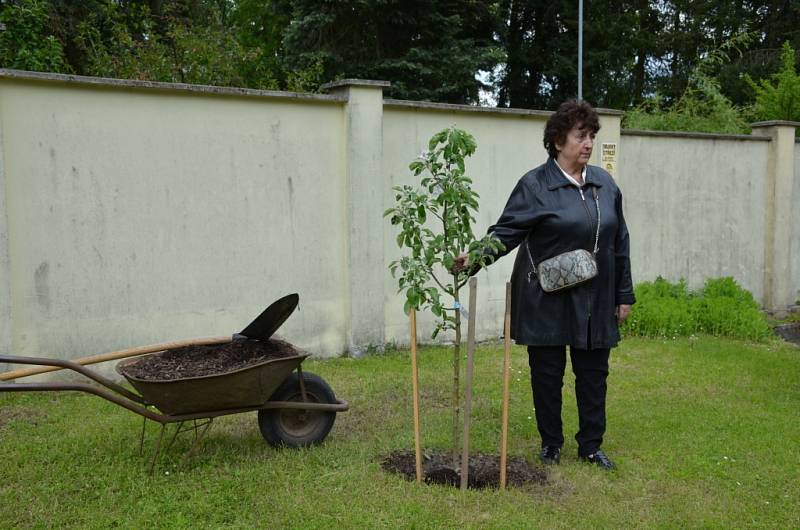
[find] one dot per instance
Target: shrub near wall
(721, 307)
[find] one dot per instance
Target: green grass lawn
(705, 432)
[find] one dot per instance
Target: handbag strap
(596, 236)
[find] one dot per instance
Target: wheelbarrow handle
(89, 389)
(114, 355)
(71, 365)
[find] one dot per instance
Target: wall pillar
(606, 145)
(778, 294)
(5, 263)
(364, 181)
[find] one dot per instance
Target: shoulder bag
(568, 269)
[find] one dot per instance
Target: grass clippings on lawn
(704, 432)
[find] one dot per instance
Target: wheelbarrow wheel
(295, 427)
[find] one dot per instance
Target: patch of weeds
(11, 413)
(671, 310)
(365, 349)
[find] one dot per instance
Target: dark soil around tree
(484, 470)
(199, 361)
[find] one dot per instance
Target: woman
(554, 209)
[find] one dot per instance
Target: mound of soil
(199, 361)
(484, 470)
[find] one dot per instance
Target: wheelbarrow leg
(141, 438)
(302, 384)
(197, 438)
(174, 435)
(158, 448)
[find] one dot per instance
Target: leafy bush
(662, 309)
(728, 288)
(206, 54)
(721, 307)
(709, 112)
(25, 41)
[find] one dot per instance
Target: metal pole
(580, 50)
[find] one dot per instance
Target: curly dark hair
(571, 113)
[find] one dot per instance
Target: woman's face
(577, 146)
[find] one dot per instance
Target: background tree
(27, 40)
(220, 42)
(524, 52)
(634, 48)
(428, 49)
(259, 27)
(621, 42)
(185, 42)
(702, 106)
(779, 99)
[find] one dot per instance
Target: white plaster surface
(137, 218)
(695, 208)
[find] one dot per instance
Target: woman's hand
(460, 263)
(622, 312)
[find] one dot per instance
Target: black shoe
(599, 459)
(550, 454)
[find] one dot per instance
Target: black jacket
(548, 209)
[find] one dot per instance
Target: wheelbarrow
(295, 408)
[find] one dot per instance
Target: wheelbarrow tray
(249, 387)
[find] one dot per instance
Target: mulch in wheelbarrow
(484, 470)
(199, 361)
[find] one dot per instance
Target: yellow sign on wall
(608, 158)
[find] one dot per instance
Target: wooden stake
(114, 355)
(506, 378)
(473, 288)
(456, 375)
(415, 391)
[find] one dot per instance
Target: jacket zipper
(589, 217)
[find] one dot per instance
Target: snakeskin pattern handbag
(570, 268)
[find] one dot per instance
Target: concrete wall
(135, 217)
(133, 213)
(795, 222)
(694, 206)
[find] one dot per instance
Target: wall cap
(107, 82)
(452, 107)
(775, 123)
(609, 112)
(355, 82)
(696, 135)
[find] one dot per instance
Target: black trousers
(547, 379)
